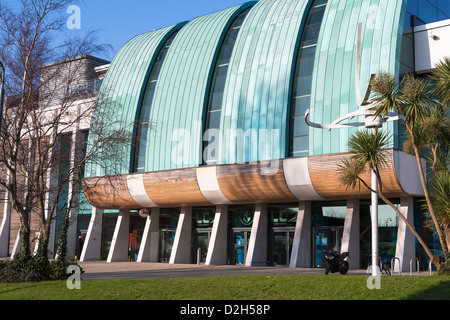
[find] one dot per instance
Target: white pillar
(405, 248)
(217, 248)
(181, 250)
(5, 227)
(350, 237)
(93, 241)
(301, 246)
(148, 251)
(257, 247)
(119, 243)
(374, 223)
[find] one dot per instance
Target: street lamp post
(367, 109)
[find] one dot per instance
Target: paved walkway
(101, 270)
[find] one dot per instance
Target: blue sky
(120, 20)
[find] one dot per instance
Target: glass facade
(203, 219)
(168, 221)
(299, 134)
(214, 108)
(332, 54)
(282, 219)
(387, 231)
(143, 125)
(420, 12)
(240, 220)
(65, 147)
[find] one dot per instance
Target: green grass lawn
(255, 287)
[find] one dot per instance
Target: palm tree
(412, 99)
(368, 152)
(440, 197)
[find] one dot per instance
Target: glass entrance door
(239, 245)
(325, 239)
(281, 246)
(166, 244)
(201, 242)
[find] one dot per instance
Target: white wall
(432, 44)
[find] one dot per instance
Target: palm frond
(441, 77)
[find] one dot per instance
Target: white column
(350, 237)
(148, 251)
(5, 227)
(217, 248)
(93, 241)
(181, 250)
(301, 246)
(119, 243)
(257, 247)
(405, 248)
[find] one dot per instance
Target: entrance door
(201, 242)
(281, 246)
(239, 245)
(325, 239)
(166, 244)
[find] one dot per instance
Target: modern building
(217, 164)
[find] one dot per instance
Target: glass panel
(325, 239)
(108, 227)
(303, 86)
(216, 101)
(137, 224)
(139, 147)
(166, 244)
(301, 104)
(202, 243)
(301, 128)
(281, 248)
(303, 80)
(214, 119)
(219, 78)
(306, 66)
(240, 242)
(203, 217)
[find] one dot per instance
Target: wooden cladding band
(239, 183)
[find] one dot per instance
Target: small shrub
(33, 270)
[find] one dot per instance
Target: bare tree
(41, 107)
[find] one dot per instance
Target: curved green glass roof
(257, 97)
(118, 101)
(179, 101)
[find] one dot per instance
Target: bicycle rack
(399, 265)
(417, 266)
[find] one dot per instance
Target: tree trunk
(24, 236)
(427, 195)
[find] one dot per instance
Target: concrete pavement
(102, 270)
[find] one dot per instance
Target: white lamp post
(371, 122)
